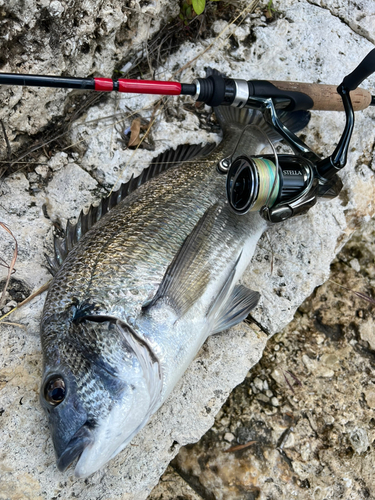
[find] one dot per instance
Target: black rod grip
(361, 72)
(296, 101)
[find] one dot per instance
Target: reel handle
(325, 97)
(361, 72)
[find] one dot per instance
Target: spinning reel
(282, 186)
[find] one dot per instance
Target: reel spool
(254, 182)
(251, 184)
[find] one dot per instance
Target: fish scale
(140, 291)
(144, 225)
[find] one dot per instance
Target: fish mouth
(81, 439)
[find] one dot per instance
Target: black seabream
(140, 283)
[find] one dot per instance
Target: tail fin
(228, 116)
(235, 117)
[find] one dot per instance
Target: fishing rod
(278, 186)
(214, 90)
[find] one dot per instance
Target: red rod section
(103, 84)
(138, 86)
(149, 87)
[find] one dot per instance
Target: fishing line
(276, 180)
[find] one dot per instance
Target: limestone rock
(292, 259)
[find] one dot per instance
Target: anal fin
(239, 304)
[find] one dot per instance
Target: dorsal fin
(162, 162)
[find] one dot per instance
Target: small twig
(4, 264)
(240, 447)
(13, 324)
(40, 290)
(272, 254)
(9, 149)
(289, 384)
(295, 378)
(298, 382)
(283, 438)
(10, 269)
(358, 294)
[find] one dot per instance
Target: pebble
(225, 421)
(367, 332)
(320, 339)
(330, 360)
(354, 264)
(359, 440)
(258, 383)
(56, 8)
(328, 419)
(58, 161)
(278, 376)
(269, 393)
(228, 436)
(263, 397)
(11, 304)
(32, 177)
(270, 411)
(325, 372)
(370, 397)
(42, 170)
(275, 402)
(310, 364)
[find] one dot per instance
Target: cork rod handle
(325, 97)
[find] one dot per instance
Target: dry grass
(11, 265)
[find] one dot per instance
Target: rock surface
(318, 440)
(305, 43)
(62, 38)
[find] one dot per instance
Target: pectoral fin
(188, 275)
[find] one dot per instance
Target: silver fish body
(137, 297)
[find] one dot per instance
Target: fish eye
(54, 391)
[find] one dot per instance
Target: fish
(140, 282)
